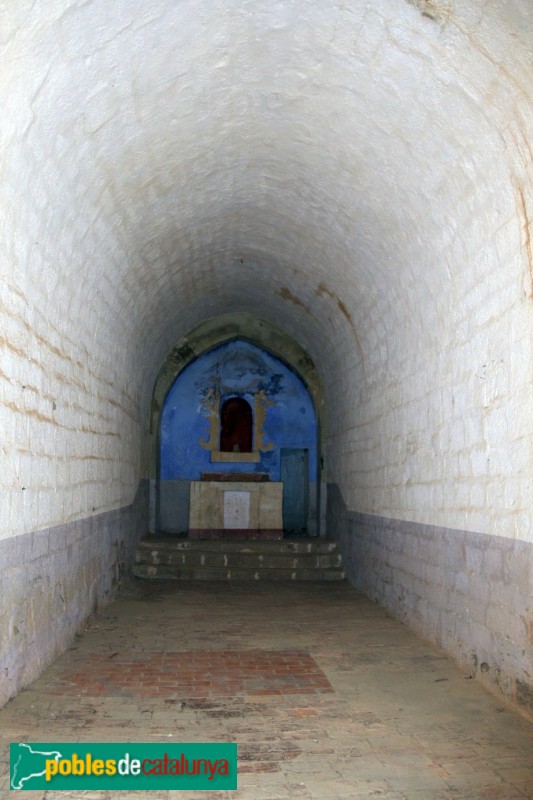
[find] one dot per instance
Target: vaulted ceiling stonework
(358, 176)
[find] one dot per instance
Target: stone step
(240, 558)
(301, 559)
(166, 571)
(301, 545)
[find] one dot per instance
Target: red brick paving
(195, 674)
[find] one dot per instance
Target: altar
(238, 459)
(236, 505)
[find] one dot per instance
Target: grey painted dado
(173, 511)
(469, 593)
(52, 580)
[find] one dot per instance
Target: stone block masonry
(53, 579)
(69, 421)
(356, 175)
(469, 593)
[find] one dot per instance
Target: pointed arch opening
(169, 494)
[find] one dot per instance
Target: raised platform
(236, 533)
(251, 559)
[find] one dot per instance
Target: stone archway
(263, 334)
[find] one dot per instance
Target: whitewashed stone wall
(358, 174)
(69, 419)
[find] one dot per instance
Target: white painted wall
(359, 174)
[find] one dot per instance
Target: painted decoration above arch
(283, 413)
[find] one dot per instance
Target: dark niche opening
(236, 423)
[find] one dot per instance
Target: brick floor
(192, 674)
(326, 696)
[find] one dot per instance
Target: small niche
(236, 426)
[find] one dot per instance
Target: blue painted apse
(234, 369)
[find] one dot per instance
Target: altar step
(166, 557)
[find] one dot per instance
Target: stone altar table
(225, 505)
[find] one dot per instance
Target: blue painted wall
(237, 369)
